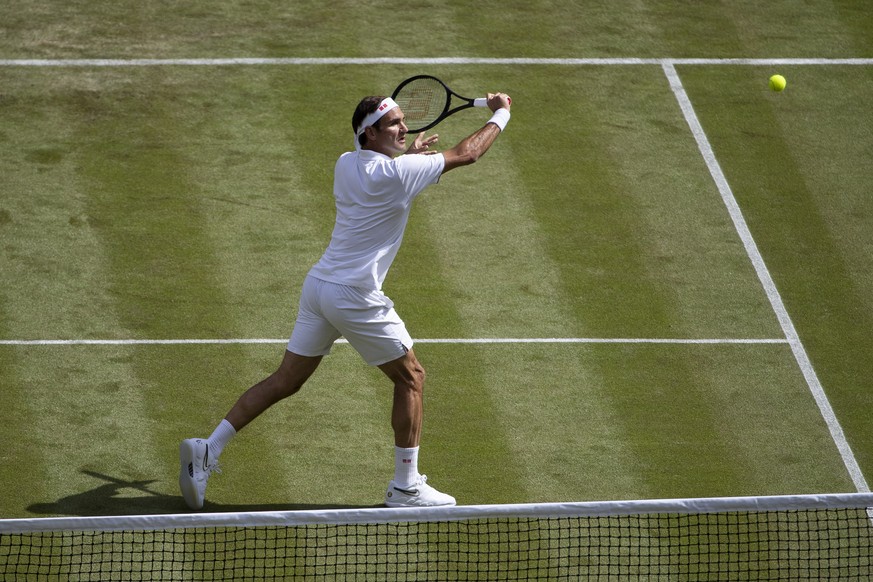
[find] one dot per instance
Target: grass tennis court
(176, 202)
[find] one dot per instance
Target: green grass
(488, 28)
(188, 202)
(795, 166)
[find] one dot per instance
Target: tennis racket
(426, 101)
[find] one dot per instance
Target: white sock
(220, 437)
(405, 466)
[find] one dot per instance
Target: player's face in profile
(391, 134)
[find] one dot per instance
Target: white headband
(385, 106)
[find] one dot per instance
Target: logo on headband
(384, 107)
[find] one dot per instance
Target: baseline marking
(243, 61)
(509, 340)
(757, 260)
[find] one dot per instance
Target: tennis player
(374, 187)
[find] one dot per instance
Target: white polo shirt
(374, 195)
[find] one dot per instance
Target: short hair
(367, 106)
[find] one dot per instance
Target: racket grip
(480, 102)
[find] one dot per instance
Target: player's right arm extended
(471, 148)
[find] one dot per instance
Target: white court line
(542, 340)
(766, 280)
(244, 61)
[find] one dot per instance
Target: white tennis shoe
(195, 467)
(417, 494)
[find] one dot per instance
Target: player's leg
(409, 487)
(408, 377)
(294, 371)
(198, 458)
(311, 340)
(368, 321)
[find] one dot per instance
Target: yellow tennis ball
(777, 82)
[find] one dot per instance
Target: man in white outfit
(374, 187)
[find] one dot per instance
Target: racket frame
(466, 102)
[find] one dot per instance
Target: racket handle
(480, 102)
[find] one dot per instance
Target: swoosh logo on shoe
(410, 492)
(206, 457)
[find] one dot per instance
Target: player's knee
(285, 385)
(419, 375)
(412, 379)
(292, 374)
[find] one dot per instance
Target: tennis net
(821, 537)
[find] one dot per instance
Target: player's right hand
(498, 101)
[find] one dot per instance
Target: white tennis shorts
(366, 318)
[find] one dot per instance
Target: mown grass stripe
(139, 161)
(766, 279)
(27, 463)
(467, 446)
(592, 199)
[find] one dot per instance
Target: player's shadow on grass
(120, 497)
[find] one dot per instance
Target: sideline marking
(244, 61)
(757, 260)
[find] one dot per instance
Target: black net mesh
(812, 544)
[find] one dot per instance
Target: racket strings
(422, 101)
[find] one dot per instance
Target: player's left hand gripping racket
(426, 101)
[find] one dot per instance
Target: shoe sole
(420, 505)
(402, 500)
(413, 498)
(186, 482)
(393, 504)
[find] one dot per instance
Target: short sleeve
(418, 171)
